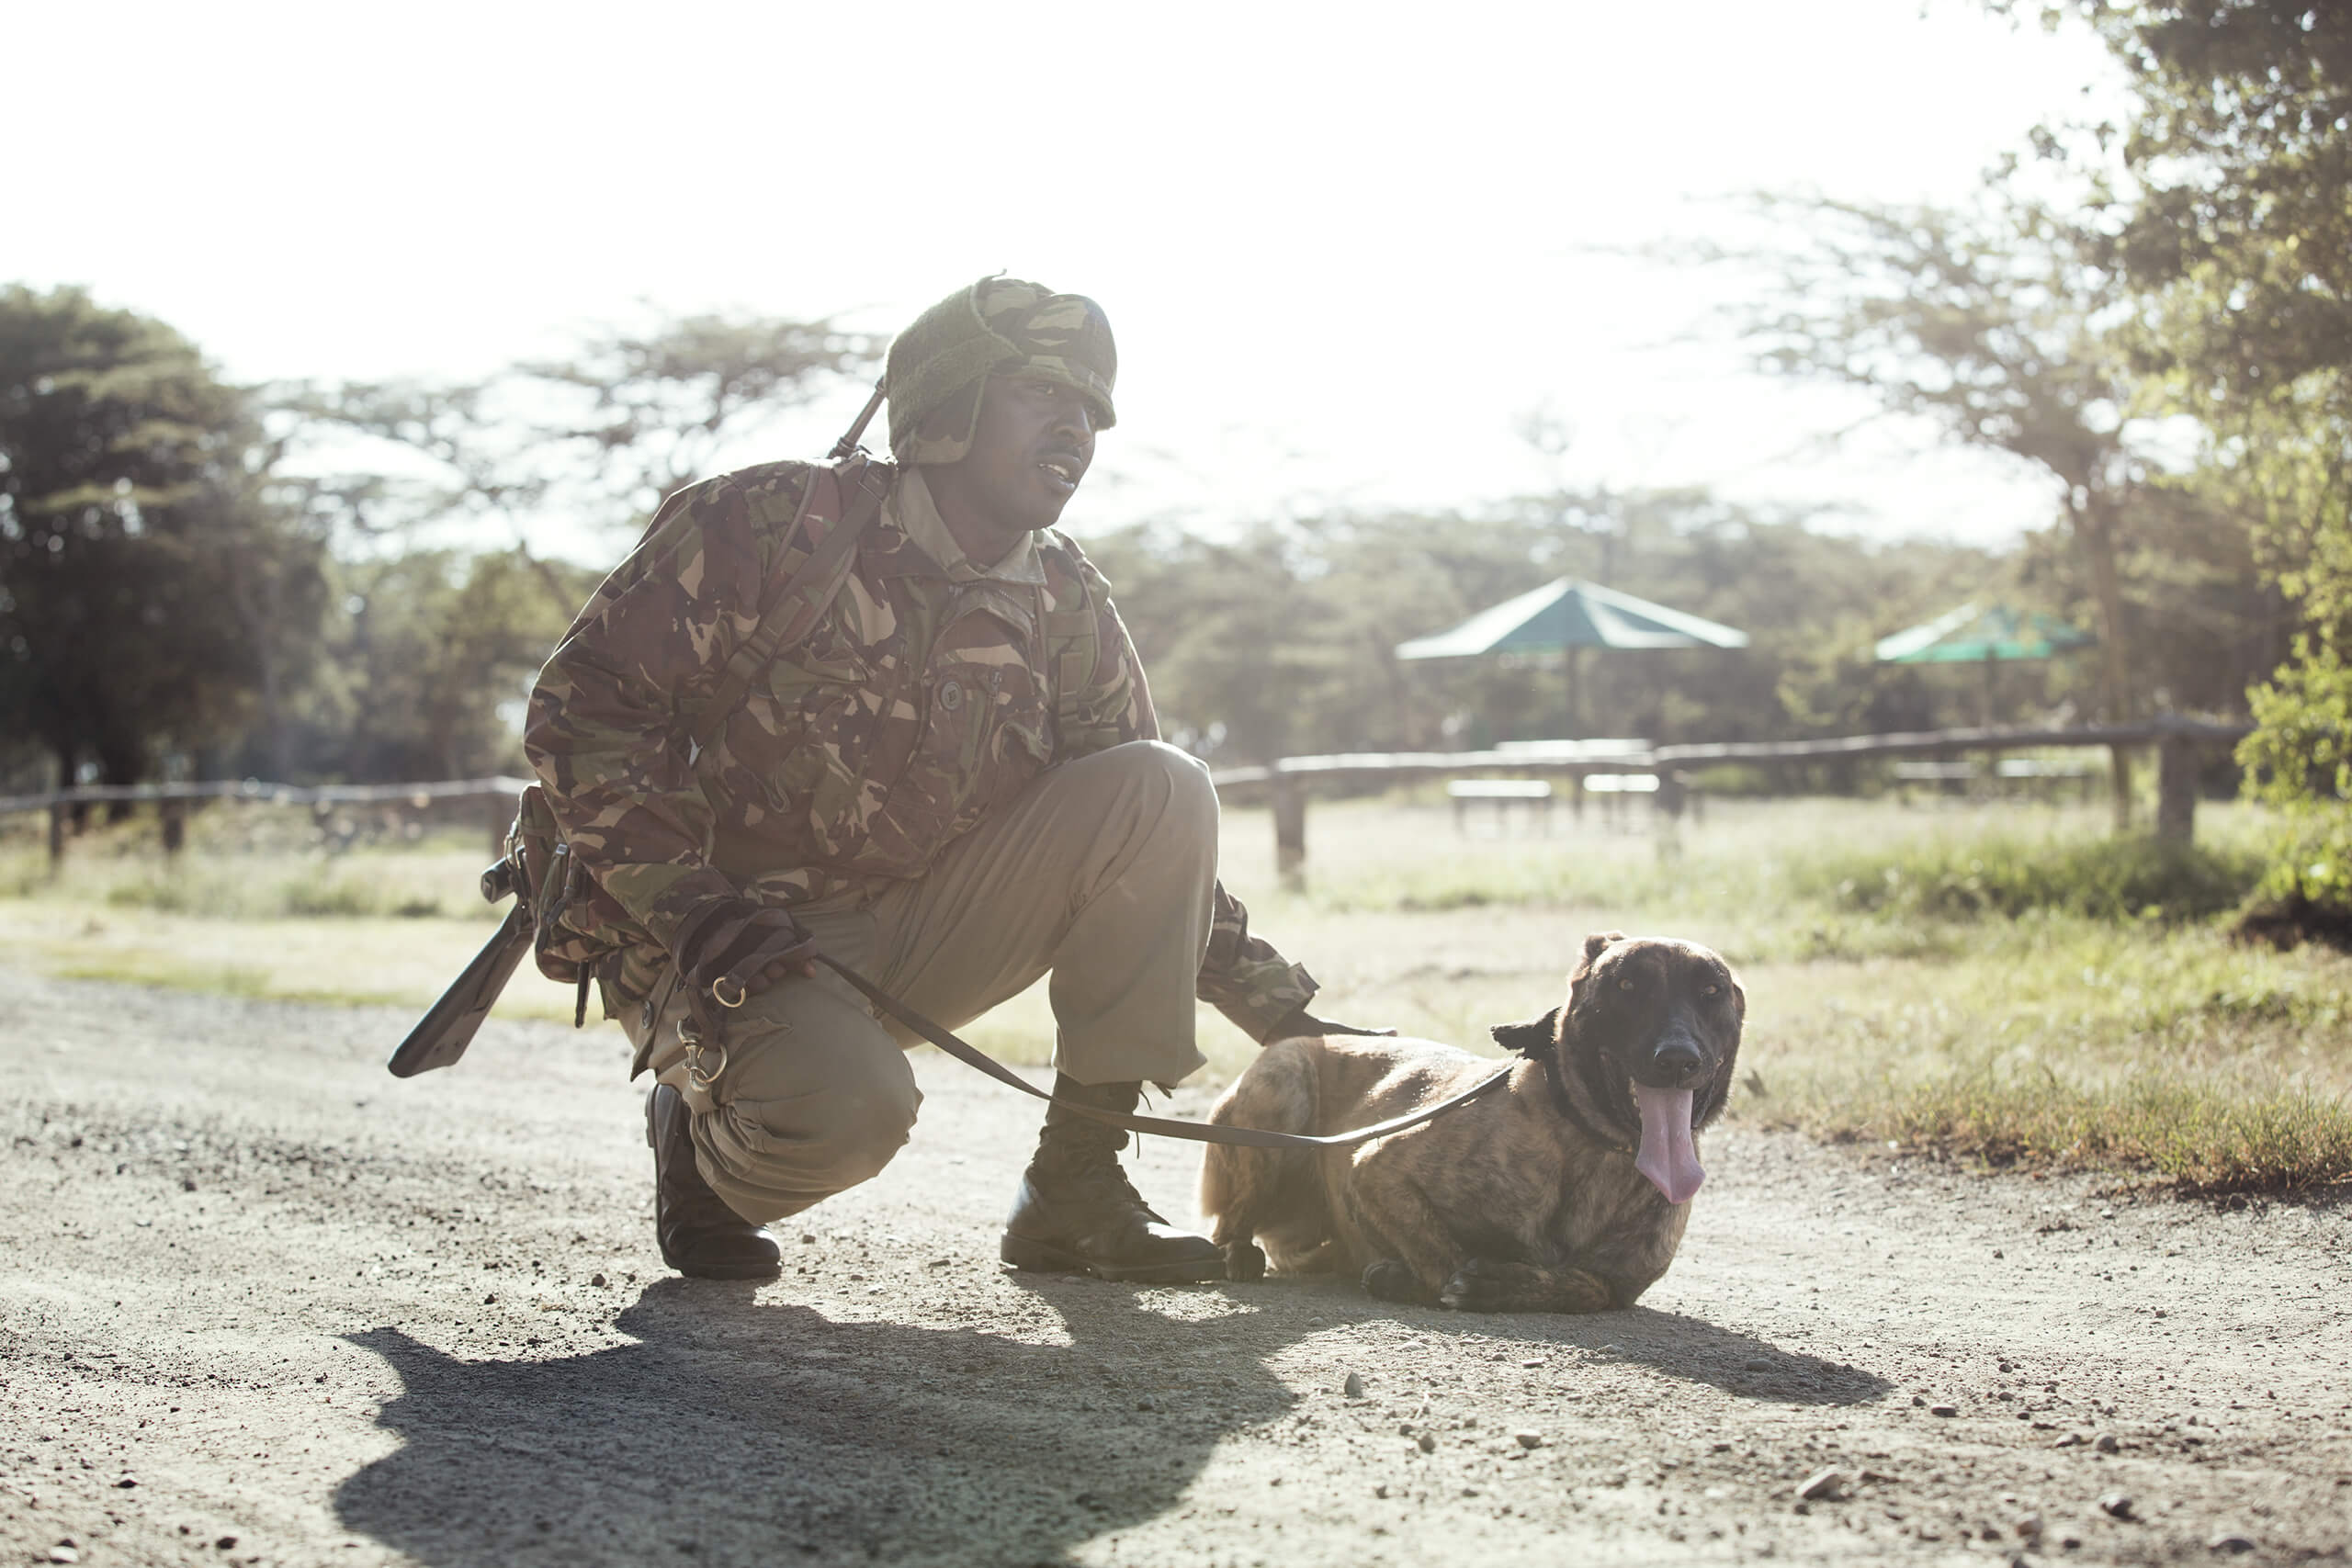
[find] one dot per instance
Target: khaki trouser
(1101, 872)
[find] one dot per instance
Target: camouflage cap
(939, 365)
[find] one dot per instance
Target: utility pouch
(575, 925)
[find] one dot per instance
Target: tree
(2239, 155)
(2011, 329)
(1237, 637)
(2239, 235)
(1282, 641)
(603, 433)
(152, 593)
(430, 659)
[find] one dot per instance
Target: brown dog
(1564, 1191)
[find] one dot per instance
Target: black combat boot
(1077, 1213)
(699, 1234)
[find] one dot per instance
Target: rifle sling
(1197, 1132)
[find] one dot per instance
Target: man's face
(1033, 442)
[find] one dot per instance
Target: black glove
(729, 948)
(1298, 1020)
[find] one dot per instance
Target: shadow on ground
(743, 1431)
(1672, 1344)
(737, 1430)
(1739, 1364)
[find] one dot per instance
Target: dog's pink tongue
(1666, 1156)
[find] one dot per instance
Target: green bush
(2299, 759)
(2100, 879)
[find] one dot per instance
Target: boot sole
(1044, 1258)
(727, 1272)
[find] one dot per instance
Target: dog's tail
(1245, 1191)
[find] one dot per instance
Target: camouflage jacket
(929, 694)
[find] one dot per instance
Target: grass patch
(227, 874)
(2010, 984)
(385, 961)
(2205, 1138)
(2006, 983)
(2101, 879)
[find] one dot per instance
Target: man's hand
(729, 948)
(1298, 1020)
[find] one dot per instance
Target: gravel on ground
(263, 1304)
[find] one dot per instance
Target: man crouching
(950, 780)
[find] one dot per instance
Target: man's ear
(1594, 946)
(1533, 1038)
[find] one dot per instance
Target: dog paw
(1473, 1287)
(1243, 1263)
(1390, 1280)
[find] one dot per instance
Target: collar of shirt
(935, 551)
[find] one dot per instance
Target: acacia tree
(2010, 329)
(603, 433)
(152, 593)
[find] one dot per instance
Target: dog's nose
(1679, 1059)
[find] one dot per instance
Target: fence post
(57, 811)
(1673, 791)
(1290, 831)
(173, 811)
(2119, 764)
(2175, 789)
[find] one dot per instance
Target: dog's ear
(1533, 1038)
(1595, 945)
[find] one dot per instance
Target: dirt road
(264, 1304)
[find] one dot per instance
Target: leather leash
(1198, 1132)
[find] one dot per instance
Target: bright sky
(1345, 248)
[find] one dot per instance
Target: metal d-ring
(690, 1038)
(742, 993)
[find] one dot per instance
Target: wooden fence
(1288, 784)
(172, 802)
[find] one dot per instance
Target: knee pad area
(1183, 777)
(809, 1144)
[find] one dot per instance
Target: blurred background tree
(432, 652)
(2237, 238)
(600, 435)
(156, 599)
(1282, 642)
(2006, 328)
(195, 577)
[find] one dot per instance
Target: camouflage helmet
(941, 364)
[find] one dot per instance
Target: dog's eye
(1709, 990)
(1626, 983)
